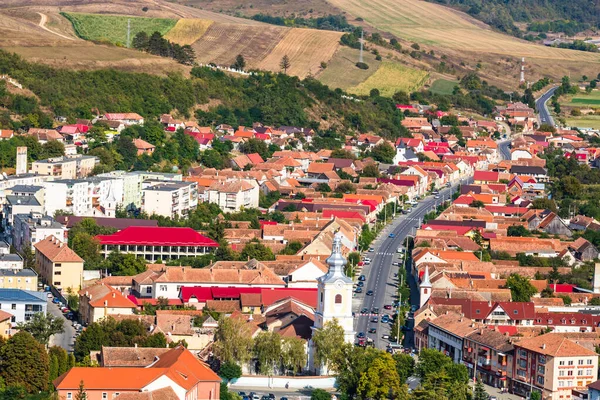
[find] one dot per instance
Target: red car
(388, 306)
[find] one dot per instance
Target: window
(570, 362)
(163, 288)
(561, 372)
(321, 297)
(13, 306)
(338, 299)
(542, 359)
(561, 384)
(579, 362)
(477, 311)
(540, 380)
(57, 264)
(69, 395)
(570, 373)
(57, 273)
(523, 353)
(580, 372)
(541, 369)
(570, 383)
(589, 362)
(149, 290)
(104, 395)
(561, 363)
(13, 319)
(588, 372)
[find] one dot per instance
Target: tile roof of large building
(157, 236)
(555, 345)
(57, 251)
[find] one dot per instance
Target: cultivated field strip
(188, 30)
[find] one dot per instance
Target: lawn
(342, 72)
(390, 78)
(584, 100)
(589, 121)
(443, 86)
(113, 28)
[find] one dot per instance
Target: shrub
(362, 65)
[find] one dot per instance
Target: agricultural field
(390, 78)
(223, 42)
(306, 9)
(306, 49)
(341, 71)
(188, 30)
(584, 100)
(443, 86)
(589, 121)
(113, 28)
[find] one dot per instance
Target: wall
(262, 382)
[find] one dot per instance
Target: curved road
(42, 24)
(541, 106)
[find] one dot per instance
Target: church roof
(336, 263)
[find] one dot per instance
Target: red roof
(343, 214)
(262, 222)
(231, 292)
(200, 293)
(141, 302)
(405, 107)
(562, 287)
(506, 210)
(255, 158)
(262, 136)
(306, 296)
(489, 176)
(157, 236)
(460, 230)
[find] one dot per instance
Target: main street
(541, 106)
(380, 273)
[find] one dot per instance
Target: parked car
(371, 249)
(362, 278)
(392, 235)
(385, 337)
(375, 310)
(387, 307)
(385, 319)
(360, 335)
(265, 397)
(360, 284)
(242, 394)
(375, 320)
(56, 300)
(395, 263)
(369, 292)
(372, 330)
(359, 290)
(364, 310)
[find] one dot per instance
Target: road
(42, 24)
(380, 273)
(65, 339)
(504, 148)
(541, 106)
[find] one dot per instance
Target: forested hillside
(502, 14)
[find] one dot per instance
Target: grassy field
(390, 78)
(306, 48)
(589, 121)
(443, 86)
(432, 24)
(341, 71)
(584, 100)
(113, 28)
(188, 30)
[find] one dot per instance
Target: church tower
(425, 288)
(335, 293)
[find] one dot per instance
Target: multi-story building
(157, 243)
(8, 260)
(18, 205)
(22, 304)
(491, 354)
(84, 197)
(24, 279)
(99, 301)
(32, 228)
(233, 195)
(67, 167)
(58, 265)
(552, 365)
(173, 199)
(446, 334)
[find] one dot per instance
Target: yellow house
(58, 265)
(100, 301)
(24, 279)
(5, 324)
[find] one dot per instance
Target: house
(58, 265)
(491, 354)
(244, 160)
(6, 134)
(100, 301)
(174, 374)
(143, 147)
(446, 334)
(583, 250)
(154, 243)
(5, 324)
(45, 135)
(552, 365)
(22, 304)
(21, 278)
(125, 118)
(231, 196)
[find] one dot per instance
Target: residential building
(125, 118)
(552, 365)
(5, 324)
(32, 228)
(173, 375)
(67, 167)
(132, 184)
(58, 265)
(154, 243)
(22, 278)
(171, 200)
(100, 301)
(22, 304)
(491, 353)
(233, 195)
(19, 205)
(446, 334)
(84, 197)
(143, 147)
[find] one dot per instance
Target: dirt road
(42, 25)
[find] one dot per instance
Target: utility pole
(362, 38)
(128, 32)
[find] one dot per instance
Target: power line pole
(128, 32)
(362, 38)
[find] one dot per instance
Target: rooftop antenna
(362, 38)
(128, 32)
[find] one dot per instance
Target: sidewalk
(492, 391)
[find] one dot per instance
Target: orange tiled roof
(56, 251)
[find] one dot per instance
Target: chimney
(105, 303)
(135, 345)
(544, 346)
(114, 295)
(481, 331)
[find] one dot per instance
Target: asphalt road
(65, 339)
(541, 107)
(380, 273)
(504, 148)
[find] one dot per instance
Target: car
(254, 396)
(437, 196)
(369, 292)
(385, 336)
(375, 310)
(408, 211)
(367, 259)
(392, 235)
(400, 250)
(362, 278)
(242, 394)
(56, 300)
(435, 192)
(396, 264)
(372, 330)
(364, 310)
(371, 249)
(265, 397)
(492, 398)
(271, 396)
(375, 320)
(385, 319)
(360, 335)
(387, 307)
(404, 328)
(367, 262)
(359, 290)
(283, 398)
(360, 284)
(414, 308)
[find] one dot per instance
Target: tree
(384, 152)
(544, 204)
(267, 351)
(535, 395)
(323, 188)
(121, 264)
(518, 230)
(53, 148)
(240, 63)
(349, 364)
(381, 380)
(370, 171)
(477, 204)
(42, 326)
(141, 41)
(520, 288)
(328, 341)
(293, 353)
(52, 369)
(233, 340)
(345, 187)
(405, 365)
(431, 361)
(479, 392)
(320, 394)
(24, 362)
(61, 358)
(285, 63)
(230, 370)
(81, 393)
(258, 251)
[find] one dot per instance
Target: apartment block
(58, 265)
(67, 167)
(172, 199)
(34, 227)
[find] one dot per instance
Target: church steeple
(336, 262)
(425, 287)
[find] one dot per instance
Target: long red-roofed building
(154, 243)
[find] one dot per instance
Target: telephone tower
(362, 39)
(522, 80)
(128, 32)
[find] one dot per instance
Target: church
(334, 297)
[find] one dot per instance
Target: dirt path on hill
(42, 24)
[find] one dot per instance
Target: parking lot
(67, 338)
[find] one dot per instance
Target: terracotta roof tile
(57, 251)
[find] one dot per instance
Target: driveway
(65, 339)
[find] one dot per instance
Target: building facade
(58, 265)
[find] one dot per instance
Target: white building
(8, 260)
(334, 301)
(84, 197)
(22, 304)
(31, 228)
(173, 199)
(67, 167)
(132, 184)
(233, 195)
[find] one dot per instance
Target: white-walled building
(32, 228)
(233, 195)
(133, 181)
(172, 199)
(22, 304)
(84, 197)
